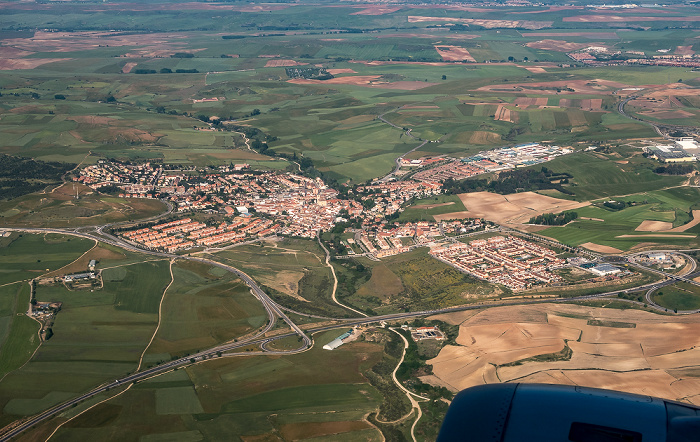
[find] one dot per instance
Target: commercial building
(337, 342)
(422, 333)
(604, 270)
(670, 154)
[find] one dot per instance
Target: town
(511, 261)
(231, 204)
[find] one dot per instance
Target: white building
(604, 270)
(337, 342)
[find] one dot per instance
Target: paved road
(272, 308)
(398, 160)
(657, 127)
(274, 311)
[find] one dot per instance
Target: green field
(292, 271)
(618, 227)
(418, 212)
(253, 396)
(155, 117)
(19, 336)
(24, 256)
(680, 296)
(82, 82)
(60, 209)
(407, 282)
(219, 308)
(98, 335)
(622, 172)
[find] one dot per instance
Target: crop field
(179, 84)
(680, 296)
(140, 98)
(293, 270)
(621, 230)
(24, 256)
(621, 350)
(255, 395)
(424, 210)
(515, 208)
(597, 175)
(98, 335)
(219, 308)
(19, 336)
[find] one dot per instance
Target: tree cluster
(550, 219)
(519, 180)
(615, 205)
(20, 176)
(675, 169)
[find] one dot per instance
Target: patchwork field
(670, 214)
(198, 84)
(23, 257)
(149, 96)
(515, 208)
(98, 335)
(250, 398)
(626, 350)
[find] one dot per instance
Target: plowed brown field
(630, 350)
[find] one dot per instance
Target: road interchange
(275, 311)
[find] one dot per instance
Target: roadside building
(337, 342)
(422, 333)
(670, 154)
(604, 270)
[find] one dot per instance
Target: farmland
(219, 308)
(98, 102)
(253, 396)
(336, 92)
(397, 284)
(60, 208)
(620, 229)
(622, 350)
(25, 257)
(681, 296)
(294, 270)
(120, 319)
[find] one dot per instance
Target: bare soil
(454, 53)
(638, 359)
(559, 45)
(283, 63)
(599, 248)
(515, 208)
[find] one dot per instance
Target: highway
(659, 128)
(275, 311)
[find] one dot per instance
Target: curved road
(408, 133)
(274, 311)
